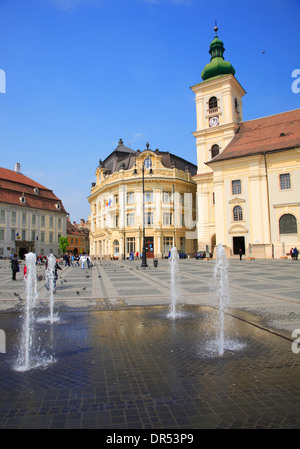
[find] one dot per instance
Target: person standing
(14, 266)
(241, 253)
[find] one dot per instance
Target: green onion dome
(217, 65)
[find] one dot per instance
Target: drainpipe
(268, 196)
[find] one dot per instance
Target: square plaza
(114, 359)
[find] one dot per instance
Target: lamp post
(144, 257)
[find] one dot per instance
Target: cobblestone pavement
(114, 359)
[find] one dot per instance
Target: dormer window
(36, 190)
(57, 206)
(22, 199)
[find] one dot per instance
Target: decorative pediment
(237, 200)
(238, 229)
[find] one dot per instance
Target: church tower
(219, 112)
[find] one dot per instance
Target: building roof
(73, 230)
(278, 132)
(14, 185)
(123, 158)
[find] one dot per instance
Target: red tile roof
(13, 185)
(268, 134)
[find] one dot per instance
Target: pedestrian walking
(241, 253)
(14, 266)
(296, 253)
(82, 260)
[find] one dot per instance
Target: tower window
(212, 104)
(215, 150)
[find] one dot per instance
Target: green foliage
(63, 244)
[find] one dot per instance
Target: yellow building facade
(248, 177)
(136, 192)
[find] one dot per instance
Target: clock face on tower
(214, 121)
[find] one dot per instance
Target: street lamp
(135, 172)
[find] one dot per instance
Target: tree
(63, 244)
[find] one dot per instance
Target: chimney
(17, 168)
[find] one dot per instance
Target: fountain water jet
(51, 282)
(30, 355)
(222, 290)
(175, 294)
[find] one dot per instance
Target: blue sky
(81, 74)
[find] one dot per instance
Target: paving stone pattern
(120, 362)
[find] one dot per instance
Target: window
(2, 216)
(1, 234)
(182, 243)
(50, 237)
(13, 218)
(148, 217)
(285, 181)
(115, 221)
(13, 234)
(236, 187)
(167, 244)
(213, 103)
(42, 236)
(237, 213)
(215, 150)
(130, 219)
(32, 235)
(148, 196)
(33, 220)
(24, 219)
(51, 222)
(43, 221)
(59, 223)
(288, 224)
(130, 244)
(167, 197)
(167, 218)
(23, 234)
(130, 197)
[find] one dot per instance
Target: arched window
(116, 248)
(237, 213)
(288, 224)
(215, 150)
(213, 103)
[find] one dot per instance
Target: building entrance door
(149, 243)
(238, 243)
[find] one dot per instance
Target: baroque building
(141, 195)
(32, 218)
(248, 175)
